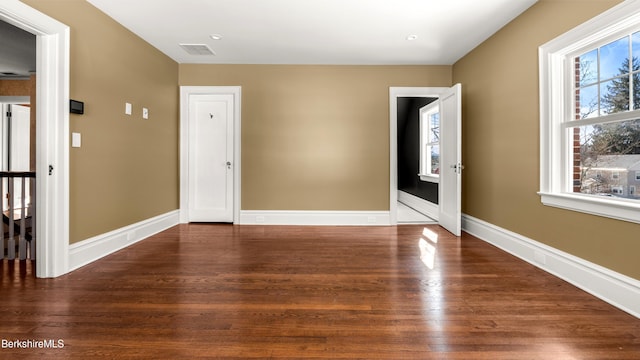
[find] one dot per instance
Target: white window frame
(426, 173)
(557, 103)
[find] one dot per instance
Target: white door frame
(394, 94)
(185, 93)
(52, 134)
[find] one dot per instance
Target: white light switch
(127, 108)
(145, 113)
(76, 140)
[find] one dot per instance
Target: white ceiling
(17, 52)
(316, 31)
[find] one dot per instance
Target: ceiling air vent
(197, 49)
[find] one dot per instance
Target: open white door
(450, 208)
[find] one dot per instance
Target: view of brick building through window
(606, 154)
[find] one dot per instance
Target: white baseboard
(346, 218)
(92, 249)
(426, 207)
(616, 289)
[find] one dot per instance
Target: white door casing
(211, 158)
(210, 153)
(452, 195)
(52, 134)
(449, 193)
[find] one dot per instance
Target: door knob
(228, 164)
(457, 168)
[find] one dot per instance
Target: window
(430, 142)
(590, 115)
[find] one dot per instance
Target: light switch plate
(145, 113)
(76, 140)
(127, 108)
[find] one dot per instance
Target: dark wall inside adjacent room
(409, 149)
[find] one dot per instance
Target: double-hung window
(430, 142)
(590, 116)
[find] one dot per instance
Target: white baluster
(32, 212)
(11, 246)
(22, 251)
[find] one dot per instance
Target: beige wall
(127, 168)
(315, 137)
(501, 141)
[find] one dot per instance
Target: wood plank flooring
(244, 292)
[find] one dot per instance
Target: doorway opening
(417, 199)
(425, 164)
(17, 143)
(52, 134)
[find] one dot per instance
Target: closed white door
(211, 158)
(450, 209)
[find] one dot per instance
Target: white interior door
(20, 138)
(211, 158)
(20, 150)
(15, 151)
(450, 208)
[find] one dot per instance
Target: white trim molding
(430, 178)
(90, 250)
(620, 209)
(338, 218)
(52, 134)
(614, 288)
(426, 207)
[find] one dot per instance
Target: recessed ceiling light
(216, 36)
(412, 37)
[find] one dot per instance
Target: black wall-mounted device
(76, 107)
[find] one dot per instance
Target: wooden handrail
(17, 174)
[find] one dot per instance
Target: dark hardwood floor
(222, 291)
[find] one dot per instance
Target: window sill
(619, 209)
(430, 178)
